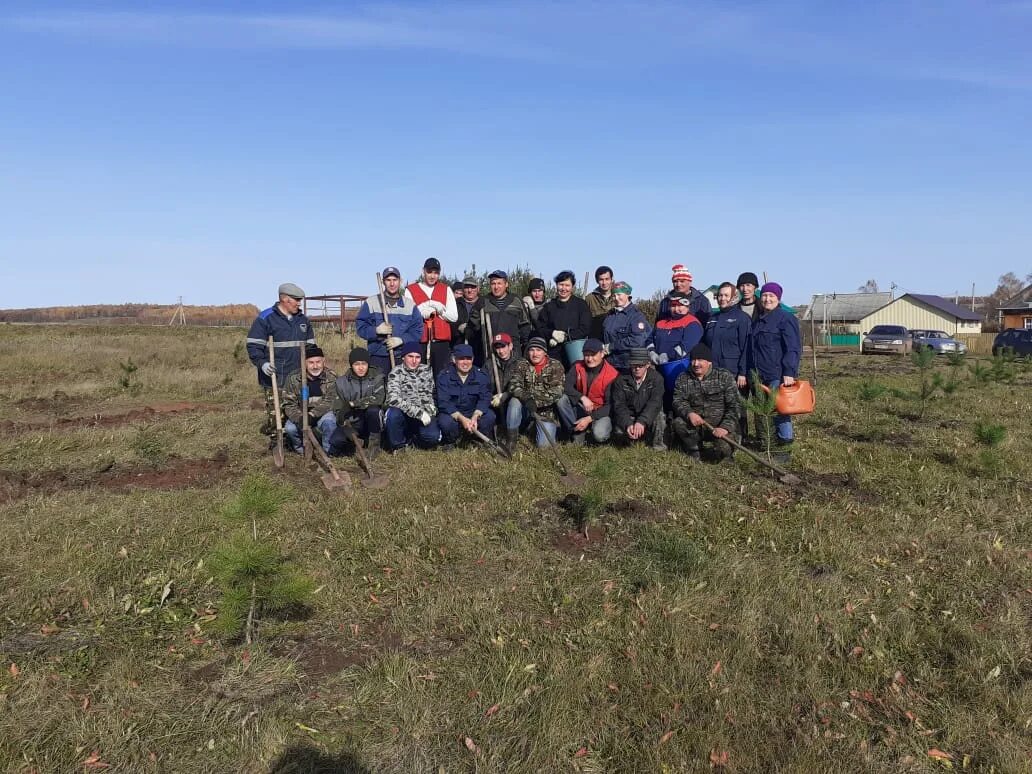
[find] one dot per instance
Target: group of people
(443, 364)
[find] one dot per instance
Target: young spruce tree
(256, 580)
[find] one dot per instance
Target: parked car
(1017, 340)
(940, 341)
(887, 338)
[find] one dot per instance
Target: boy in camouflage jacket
(322, 392)
(411, 409)
(536, 386)
(710, 394)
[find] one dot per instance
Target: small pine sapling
(991, 437)
(924, 358)
(764, 405)
(127, 381)
(255, 579)
(980, 373)
(955, 359)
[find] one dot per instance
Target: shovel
(277, 452)
(495, 448)
(568, 478)
(371, 480)
(333, 478)
(304, 405)
(783, 475)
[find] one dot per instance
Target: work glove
(438, 307)
(496, 400)
(605, 348)
(393, 342)
(558, 336)
(425, 418)
(462, 328)
(679, 351)
(553, 343)
(663, 358)
(268, 369)
(528, 302)
(654, 357)
(426, 309)
(384, 329)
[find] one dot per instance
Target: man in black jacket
(638, 403)
(565, 318)
(507, 312)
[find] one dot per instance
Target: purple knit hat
(772, 287)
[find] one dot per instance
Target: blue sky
(213, 150)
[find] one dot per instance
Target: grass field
(877, 618)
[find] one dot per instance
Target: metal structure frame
(338, 308)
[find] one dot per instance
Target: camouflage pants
(269, 425)
(692, 438)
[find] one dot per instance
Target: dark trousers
(383, 362)
(692, 438)
(451, 430)
(403, 430)
(440, 356)
(364, 422)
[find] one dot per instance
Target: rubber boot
(509, 439)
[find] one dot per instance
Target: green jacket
(714, 398)
(326, 382)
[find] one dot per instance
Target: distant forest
(130, 314)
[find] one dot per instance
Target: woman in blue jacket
(775, 349)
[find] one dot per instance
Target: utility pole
(972, 296)
(178, 314)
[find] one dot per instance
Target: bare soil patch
(113, 419)
(176, 473)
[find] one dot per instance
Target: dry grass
(715, 619)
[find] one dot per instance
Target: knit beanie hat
(358, 355)
(701, 352)
(771, 287)
(313, 350)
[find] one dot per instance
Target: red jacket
(596, 392)
(437, 325)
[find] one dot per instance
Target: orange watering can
(797, 398)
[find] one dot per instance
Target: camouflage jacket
(544, 388)
(325, 383)
(714, 398)
(412, 391)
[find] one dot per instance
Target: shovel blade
(375, 482)
(573, 480)
(340, 481)
(277, 454)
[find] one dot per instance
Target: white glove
(496, 400)
(663, 358)
(393, 342)
(559, 336)
(654, 357)
(438, 307)
(384, 329)
(529, 302)
(605, 348)
(462, 328)
(426, 309)
(679, 350)
(268, 369)
(424, 417)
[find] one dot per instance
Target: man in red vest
(586, 400)
(436, 303)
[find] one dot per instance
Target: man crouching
(322, 391)
(706, 394)
(411, 412)
(463, 398)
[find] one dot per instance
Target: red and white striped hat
(681, 272)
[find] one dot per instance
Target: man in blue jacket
(289, 328)
(775, 349)
(463, 398)
(403, 325)
(624, 328)
(727, 336)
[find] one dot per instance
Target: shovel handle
(489, 443)
(551, 443)
(777, 469)
(311, 440)
(363, 461)
(277, 454)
